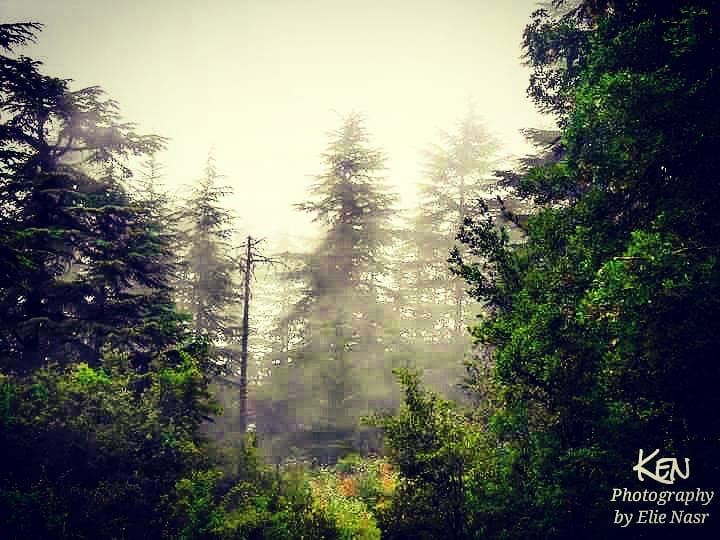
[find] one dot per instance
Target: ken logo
(665, 468)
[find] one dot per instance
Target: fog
(260, 83)
(263, 87)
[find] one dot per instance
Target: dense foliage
(602, 326)
(81, 265)
(104, 387)
(596, 281)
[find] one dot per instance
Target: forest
(530, 352)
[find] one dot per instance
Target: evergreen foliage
(207, 285)
(103, 391)
(339, 360)
(81, 268)
(433, 306)
(598, 295)
(603, 322)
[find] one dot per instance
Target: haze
(259, 83)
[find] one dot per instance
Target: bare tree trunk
(245, 335)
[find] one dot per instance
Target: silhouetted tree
(82, 270)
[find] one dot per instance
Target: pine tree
(207, 287)
(458, 174)
(81, 269)
(340, 360)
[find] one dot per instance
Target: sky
(260, 83)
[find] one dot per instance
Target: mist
(339, 269)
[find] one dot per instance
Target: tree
(435, 448)
(601, 323)
(605, 320)
(81, 270)
(207, 287)
(458, 173)
(102, 390)
(341, 310)
(432, 300)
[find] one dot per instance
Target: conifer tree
(101, 396)
(82, 270)
(459, 174)
(605, 321)
(340, 359)
(433, 303)
(207, 286)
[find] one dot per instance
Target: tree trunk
(245, 335)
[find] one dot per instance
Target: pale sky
(260, 82)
